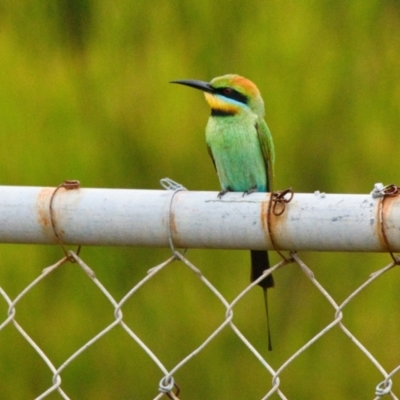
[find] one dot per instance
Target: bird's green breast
(236, 151)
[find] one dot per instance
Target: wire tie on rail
(279, 198)
(67, 185)
(382, 193)
(169, 184)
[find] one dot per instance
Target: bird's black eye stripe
(232, 94)
(221, 113)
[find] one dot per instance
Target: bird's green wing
(211, 155)
(267, 148)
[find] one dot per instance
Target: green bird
(241, 147)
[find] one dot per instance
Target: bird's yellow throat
(218, 104)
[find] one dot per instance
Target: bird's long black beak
(204, 86)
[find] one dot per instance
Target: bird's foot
(222, 192)
(251, 190)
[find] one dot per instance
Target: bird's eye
(228, 91)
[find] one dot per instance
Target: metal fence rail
(318, 221)
(182, 219)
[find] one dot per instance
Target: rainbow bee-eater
(241, 147)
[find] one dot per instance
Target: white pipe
(323, 222)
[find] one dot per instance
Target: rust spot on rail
(264, 216)
(273, 215)
(269, 221)
(43, 201)
(43, 210)
(173, 229)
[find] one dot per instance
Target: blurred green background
(84, 94)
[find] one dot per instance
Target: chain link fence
(169, 386)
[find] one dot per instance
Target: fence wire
(167, 386)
